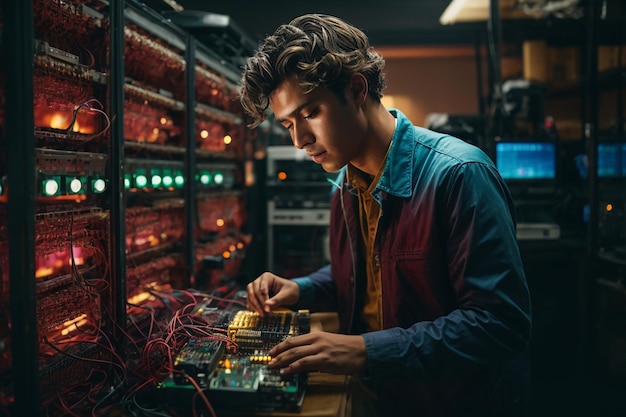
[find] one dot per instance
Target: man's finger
(253, 302)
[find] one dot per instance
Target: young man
(425, 273)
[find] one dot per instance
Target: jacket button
(377, 259)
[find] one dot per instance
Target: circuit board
(233, 371)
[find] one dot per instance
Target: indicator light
(141, 181)
(74, 185)
(51, 186)
(205, 179)
(156, 177)
(98, 185)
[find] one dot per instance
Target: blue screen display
(612, 159)
(526, 160)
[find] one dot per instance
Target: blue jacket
(456, 306)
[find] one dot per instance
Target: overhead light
(477, 10)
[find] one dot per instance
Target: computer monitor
(612, 159)
(526, 161)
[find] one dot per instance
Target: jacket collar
(397, 176)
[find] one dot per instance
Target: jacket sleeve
(317, 291)
(492, 320)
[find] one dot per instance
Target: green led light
(140, 177)
(179, 180)
(127, 181)
(218, 178)
(74, 186)
(167, 178)
(98, 185)
(51, 186)
(141, 181)
(156, 177)
(205, 178)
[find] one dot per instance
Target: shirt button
(377, 260)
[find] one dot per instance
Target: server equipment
(138, 155)
(612, 201)
(71, 218)
(298, 212)
(530, 168)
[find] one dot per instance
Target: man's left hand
(320, 351)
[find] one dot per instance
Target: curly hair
(320, 50)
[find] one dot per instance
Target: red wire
(201, 394)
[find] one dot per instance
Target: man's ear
(358, 88)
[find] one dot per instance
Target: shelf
(607, 80)
(611, 257)
(617, 286)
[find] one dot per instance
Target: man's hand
(270, 291)
(320, 351)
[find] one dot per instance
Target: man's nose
(301, 136)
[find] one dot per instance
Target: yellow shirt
(369, 213)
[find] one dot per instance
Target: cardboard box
(511, 67)
(564, 64)
(535, 54)
(608, 57)
(605, 58)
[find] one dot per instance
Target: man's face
(333, 132)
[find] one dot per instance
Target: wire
(89, 104)
(200, 393)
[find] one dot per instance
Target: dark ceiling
(388, 22)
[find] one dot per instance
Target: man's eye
(310, 115)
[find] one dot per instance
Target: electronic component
(245, 382)
(252, 332)
(198, 358)
(44, 48)
(234, 372)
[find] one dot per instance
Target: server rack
(20, 342)
(65, 155)
(221, 148)
(90, 244)
(298, 210)
(155, 144)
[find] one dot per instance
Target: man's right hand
(270, 291)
